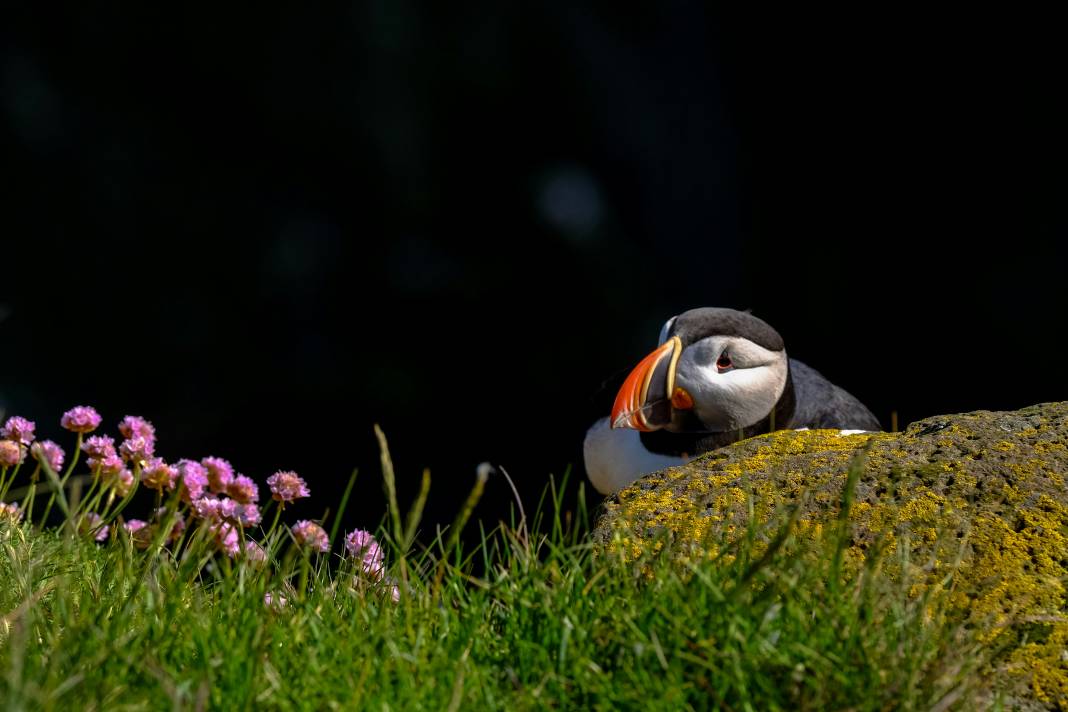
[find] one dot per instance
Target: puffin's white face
(705, 376)
(733, 382)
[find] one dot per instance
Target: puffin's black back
(821, 404)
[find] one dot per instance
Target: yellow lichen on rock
(979, 495)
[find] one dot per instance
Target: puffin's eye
(723, 363)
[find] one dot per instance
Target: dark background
(267, 230)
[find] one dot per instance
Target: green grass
(526, 620)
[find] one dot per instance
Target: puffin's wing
(821, 404)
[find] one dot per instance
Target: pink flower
(18, 429)
(177, 527)
(220, 473)
(226, 509)
(49, 453)
(249, 516)
(243, 489)
(137, 449)
(311, 536)
(361, 544)
(10, 512)
(134, 426)
(373, 560)
(254, 552)
(11, 453)
(110, 464)
(158, 475)
(227, 539)
(91, 521)
(194, 480)
(98, 446)
(122, 481)
(275, 600)
(287, 486)
(229, 509)
(140, 532)
(358, 541)
(81, 419)
(206, 508)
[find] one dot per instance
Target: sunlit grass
(533, 617)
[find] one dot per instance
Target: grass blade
(344, 503)
(389, 482)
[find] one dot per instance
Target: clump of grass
(534, 616)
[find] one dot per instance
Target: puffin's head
(715, 370)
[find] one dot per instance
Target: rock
(989, 485)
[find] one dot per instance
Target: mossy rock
(982, 493)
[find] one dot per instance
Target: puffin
(716, 377)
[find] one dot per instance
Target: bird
(717, 376)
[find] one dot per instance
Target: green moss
(980, 495)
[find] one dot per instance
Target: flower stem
(27, 502)
(305, 569)
(274, 523)
(63, 480)
(14, 474)
(80, 505)
(124, 501)
(96, 490)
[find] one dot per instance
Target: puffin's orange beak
(644, 401)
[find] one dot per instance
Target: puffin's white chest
(616, 457)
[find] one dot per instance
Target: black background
(266, 230)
